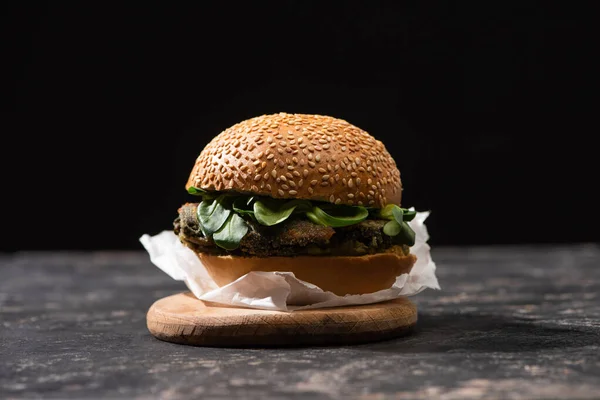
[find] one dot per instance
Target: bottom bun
(340, 275)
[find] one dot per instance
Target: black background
(487, 107)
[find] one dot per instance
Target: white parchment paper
(282, 290)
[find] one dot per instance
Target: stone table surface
(518, 322)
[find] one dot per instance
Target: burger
(312, 195)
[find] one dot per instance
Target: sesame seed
(350, 196)
(292, 184)
(281, 192)
(350, 183)
(283, 178)
(254, 188)
(332, 198)
(270, 156)
(324, 183)
(257, 178)
(293, 192)
(305, 173)
(312, 164)
(322, 170)
(285, 187)
(325, 177)
(338, 200)
(357, 181)
(268, 186)
(314, 182)
(300, 182)
(318, 157)
(289, 176)
(310, 190)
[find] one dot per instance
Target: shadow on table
(485, 333)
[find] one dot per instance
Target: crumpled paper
(282, 291)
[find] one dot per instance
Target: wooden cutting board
(184, 319)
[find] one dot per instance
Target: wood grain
(184, 319)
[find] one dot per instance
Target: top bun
(299, 156)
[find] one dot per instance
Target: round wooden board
(184, 319)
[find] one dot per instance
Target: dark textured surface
(510, 322)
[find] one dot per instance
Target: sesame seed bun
(299, 156)
(343, 275)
